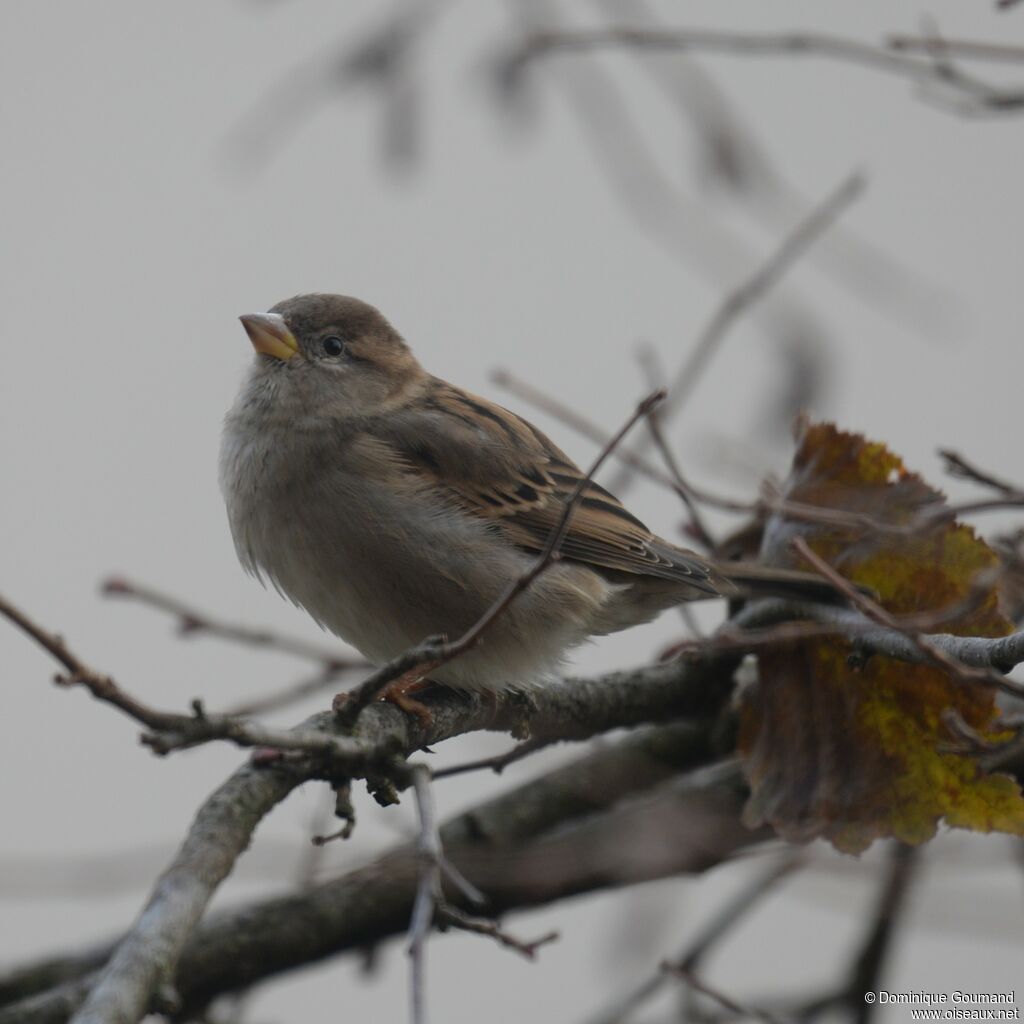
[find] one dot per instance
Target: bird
(393, 506)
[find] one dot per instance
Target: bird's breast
(371, 555)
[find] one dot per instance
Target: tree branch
(538, 843)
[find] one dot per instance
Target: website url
(967, 1013)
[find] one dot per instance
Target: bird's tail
(751, 580)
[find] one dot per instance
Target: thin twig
(428, 892)
(576, 709)
(590, 430)
(698, 529)
(959, 466)
(430, 905)
(449, 916)
(975, 94)
(716, 995)
(791, 249)
(736, 160)
(496, 764)
(871, 958)
(192, 622)
(761, 885)
(434, 652)
(770, 499)
(319, 682)
(970, 48)
(748, 293)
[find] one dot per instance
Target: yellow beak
(269, 335)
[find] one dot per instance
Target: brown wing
(501, 468)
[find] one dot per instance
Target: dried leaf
(855, 752)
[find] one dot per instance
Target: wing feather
(497, 466)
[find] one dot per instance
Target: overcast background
(166, 168)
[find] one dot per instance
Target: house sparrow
(394, 506)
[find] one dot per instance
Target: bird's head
(329, 356)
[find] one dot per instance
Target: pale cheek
(354, 392)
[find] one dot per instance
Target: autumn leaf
(853, 751)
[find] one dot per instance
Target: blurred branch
(959, 466)
(761, 885)
(192, 622)
(667, 214)
(865, 973)
(975, 95)
(285, 697)
(732, 158)
(380, 59)
(716, 995)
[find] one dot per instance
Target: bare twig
(428, 892)
(791, 249)
(959, 466)
(430, 905)
(435, 652)
(770, 499)
(320, 682)
(733, 158)
(716, 995)
(192, 622)
(496, 764)
(586, 428)
(101, 686)
(452, 917)
(696, 527)
(761, 885)
(866, 970)
(747, 294)
(976, 96)
(969, 48)
(575, 709)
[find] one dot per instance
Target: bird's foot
(397, 693)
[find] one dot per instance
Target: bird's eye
(333, 345)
